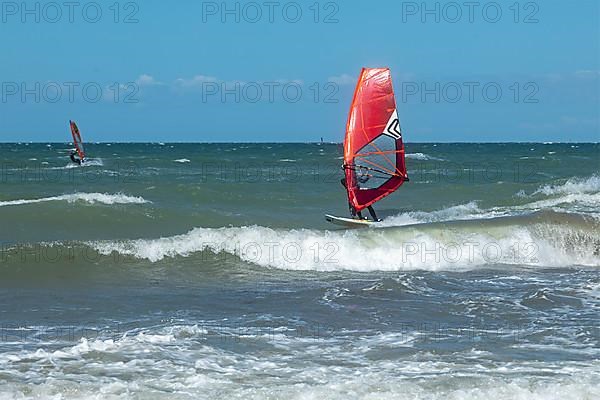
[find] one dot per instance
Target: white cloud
(195, 81)
(587, 74)
(343, 79)
(146, 80)
(404, 76)
(346, 79)
(114, 94)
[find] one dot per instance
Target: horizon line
(299, 142)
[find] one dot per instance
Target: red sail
(77, 141)
(373, 149)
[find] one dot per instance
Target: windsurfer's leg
(373, 215)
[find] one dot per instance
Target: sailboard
(374, 161)
(77, 141)
(348, 222)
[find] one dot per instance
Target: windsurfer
(74, 159)
(358, 214)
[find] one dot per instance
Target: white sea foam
(90, 198)
(213, 378)
(90, 162)
(580, 194)
(182, 160)
(590, 201)
(424, 247)
(572, 186)
(575, 194)
(465, 211)
(177, 362)
(422, 157)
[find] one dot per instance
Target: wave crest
(422, 157)
(90, 198)
(555, 240)
(572, 186)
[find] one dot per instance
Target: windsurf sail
(373, 149)
(77, 141)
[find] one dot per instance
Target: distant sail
(77, 141)
(373, 149)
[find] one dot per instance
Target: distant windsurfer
(75, 159)
(358, 214)
(77, 154)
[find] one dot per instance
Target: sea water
(206, 271)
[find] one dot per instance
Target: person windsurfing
(358, 214)
(374, 162)
(75, 159)
(78, 142)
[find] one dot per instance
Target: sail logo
(393, 128)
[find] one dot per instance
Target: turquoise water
(208, 271)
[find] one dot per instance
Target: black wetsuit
(372, 212)
(75, 160)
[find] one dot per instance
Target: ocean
(208, 271)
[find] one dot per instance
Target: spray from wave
(422, 157)
(89, 162)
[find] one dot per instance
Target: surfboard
(374, 162)
(349, 222)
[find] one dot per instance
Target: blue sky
(192, 70)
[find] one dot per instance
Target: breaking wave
(422, 157)
(465, 236)
(580, 194)
(544, 239)
(572, 186)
